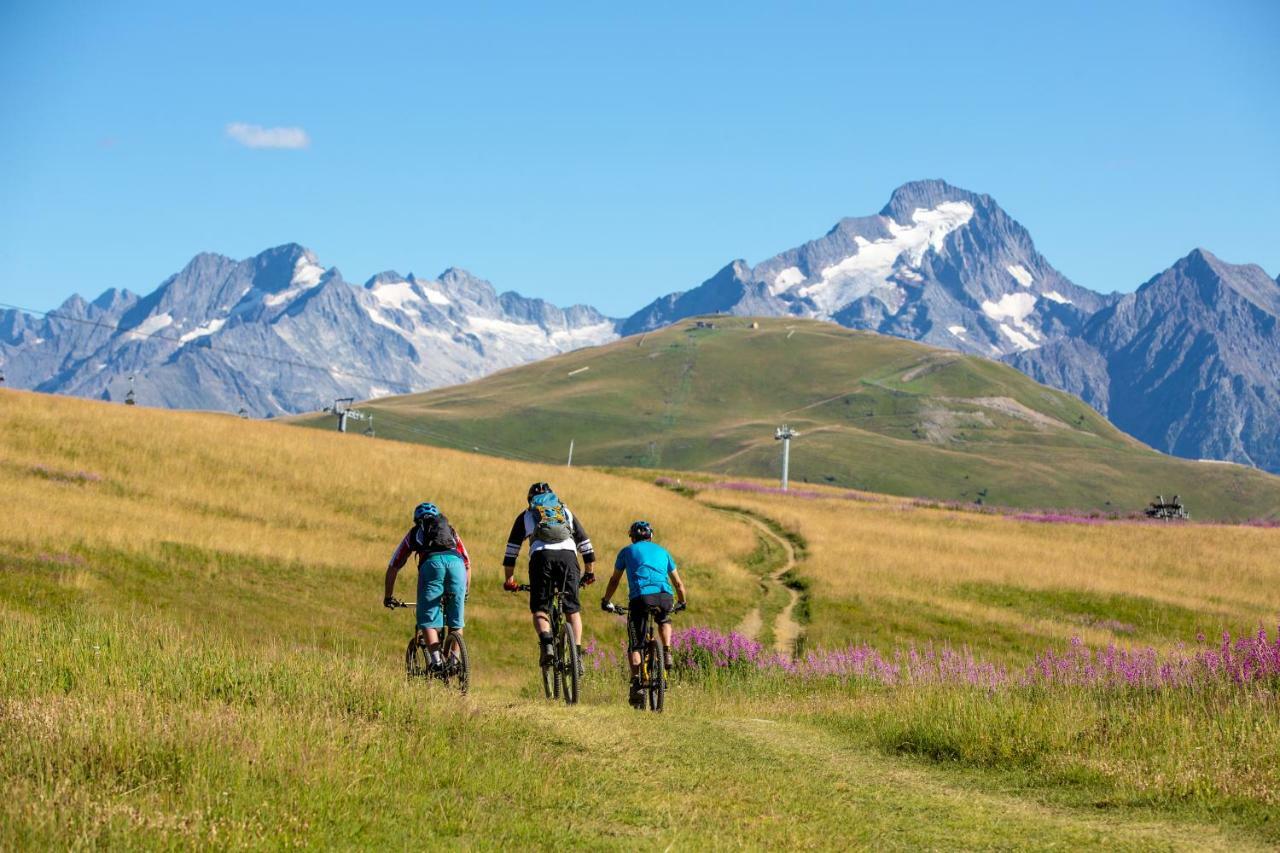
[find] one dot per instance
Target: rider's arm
(583, 541)
(679, 584)
(466, 558)
(519, 533)
(675, 578)
(612, 586)
(396, 563)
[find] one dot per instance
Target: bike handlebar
(622, 611)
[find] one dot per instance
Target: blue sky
(608, 154)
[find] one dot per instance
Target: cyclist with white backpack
(556, 537)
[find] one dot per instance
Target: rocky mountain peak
(929, 195)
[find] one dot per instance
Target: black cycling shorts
(549, 568)
(638, 615)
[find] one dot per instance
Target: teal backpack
(550, 519)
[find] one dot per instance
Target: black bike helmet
(641, 530)
(539, 489)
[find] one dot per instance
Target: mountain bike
(560, 677)
(653, 663)
(455, 666)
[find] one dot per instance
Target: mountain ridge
(938, 264)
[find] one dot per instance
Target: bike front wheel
(457, 663)
(415, 659)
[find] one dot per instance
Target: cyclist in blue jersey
(651, 573)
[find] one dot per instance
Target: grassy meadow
(875, 413)
(196, 655)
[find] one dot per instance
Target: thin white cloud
(256, 136)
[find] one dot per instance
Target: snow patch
(280, 298)
(1021, 273)
(1011, 313)
(1055, 296)
(150, 326)
(958, 331)
(868, 270)
(306, 273)
(1020, 340)
(376, 316)
(395, 294)
(789, 277)
(207, 329)
(434, 296)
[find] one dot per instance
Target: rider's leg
(567, 568)
(664, 631)
(430, 593)
(455, 586)
(539, 596)
(635, 639)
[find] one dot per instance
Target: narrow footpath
(786, 630)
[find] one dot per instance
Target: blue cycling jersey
(648, 566)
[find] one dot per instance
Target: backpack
(550, 518)
(435, 534)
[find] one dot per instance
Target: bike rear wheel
(567, 664)
(657, 676)
(457, 670)
(552, 672)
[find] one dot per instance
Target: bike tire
(455, 646)
(415, 659)
(568, 658)
(657, 677)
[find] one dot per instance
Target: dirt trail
(786, 630)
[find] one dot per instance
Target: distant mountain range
(226, 334)
(1187, 364)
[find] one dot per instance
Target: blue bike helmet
(641, 530)
(424, 510)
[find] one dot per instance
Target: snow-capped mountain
(226, 334)
(1190, 363)
(938, 264)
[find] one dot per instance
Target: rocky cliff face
(1190, 363)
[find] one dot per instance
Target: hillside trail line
(786, 630)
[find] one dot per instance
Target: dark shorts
(549, 569)
(638, 616)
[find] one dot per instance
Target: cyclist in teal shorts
(443, 567)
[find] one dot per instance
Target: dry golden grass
(881, 569)
(75, 473)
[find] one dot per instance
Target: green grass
(195, 656)
(1123, 614)
(124, 731)
(876, 413)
